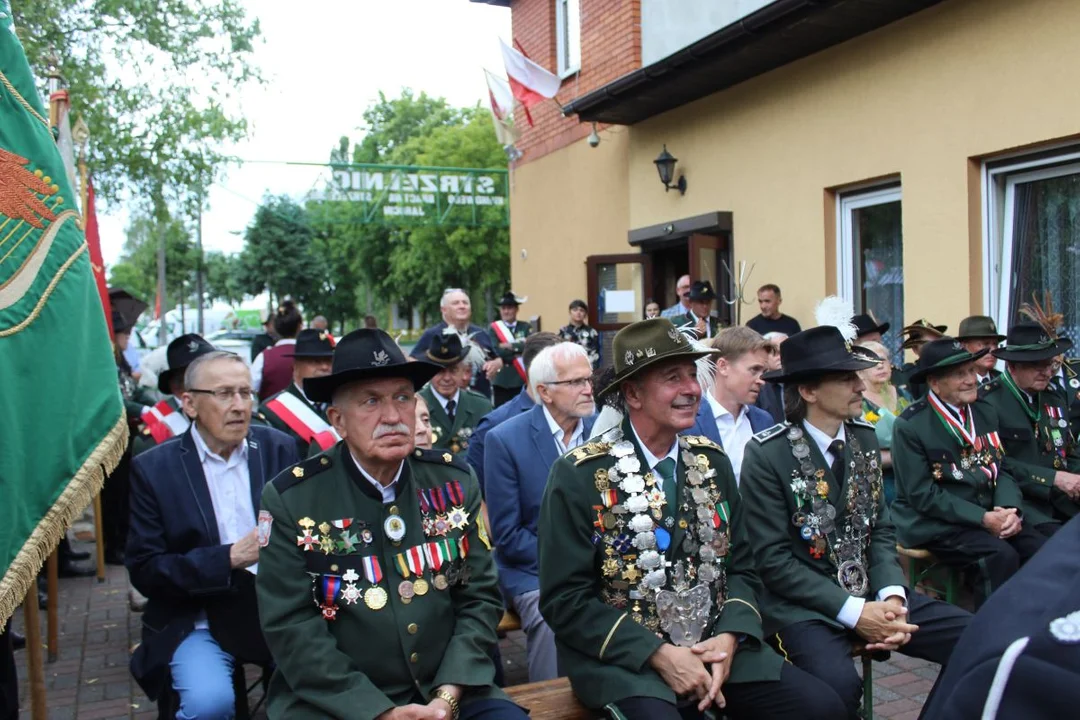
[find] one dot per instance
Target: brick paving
(90, 679)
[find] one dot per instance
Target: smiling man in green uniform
(377, 589)
(1040, 449)
(646, 572)
(823, 540)
(954, 496)
(455, 410)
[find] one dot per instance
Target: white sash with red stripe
(502, 332)
(164, 421)
(302, 420)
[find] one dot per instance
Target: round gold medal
(375, 597)
(609, 520)
(440, 582)
(420, 586)
(405, 590)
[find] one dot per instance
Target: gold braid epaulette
(588, 451)
(702, 441)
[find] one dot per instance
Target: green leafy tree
(223, 278)
(137, 270)
(279, 256)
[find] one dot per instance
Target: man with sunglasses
(517, 457)
(193, 539)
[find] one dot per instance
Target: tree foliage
(155, 82)
(279, 255)
(223, 279)
(137, 270)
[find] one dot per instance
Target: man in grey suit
(517, 457)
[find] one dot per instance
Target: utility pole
(163, 331)
(199, 261)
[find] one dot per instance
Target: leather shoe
(18, 640)
(71, 569)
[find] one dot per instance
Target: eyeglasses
(224, 396)
(576, 383)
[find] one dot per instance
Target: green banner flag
(61, 414)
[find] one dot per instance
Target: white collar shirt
(735, 432)
(388, 492)
(651, 460)
(576, 437)
(444, 400)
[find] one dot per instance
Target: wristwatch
(445, 696)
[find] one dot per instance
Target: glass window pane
(878, 265)
(1046, 248)
(573, 34)
(620, 298)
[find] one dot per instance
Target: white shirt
(444, 400)
(735, 432)
(230, 493)
(576, 437)
(388, 492)
(651, 460)
(852, 609)
(257, 366)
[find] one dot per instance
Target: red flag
(530, 83)
(97, 264)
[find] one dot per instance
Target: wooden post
(53, 565)
(33, 655)
(99, 539)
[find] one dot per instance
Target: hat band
(1036, 346)
(950, 359)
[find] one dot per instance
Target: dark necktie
(450, 407)
(666, 470)
(836, 447)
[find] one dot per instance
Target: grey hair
(448, 292)
(193, 369)
(770, 336)
(542, 369)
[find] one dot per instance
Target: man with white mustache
(380, 598)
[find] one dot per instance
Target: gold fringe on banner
(80, 491)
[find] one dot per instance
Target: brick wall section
(610, 48)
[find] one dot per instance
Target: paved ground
(90, 679)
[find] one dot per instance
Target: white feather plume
(837, 312)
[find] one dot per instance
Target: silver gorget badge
(684, 613)
(853, 578)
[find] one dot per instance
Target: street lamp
(665, 165)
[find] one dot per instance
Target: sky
(325, 61)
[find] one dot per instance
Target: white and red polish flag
(530, 83)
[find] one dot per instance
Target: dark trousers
(9, 682)
(116, 506)
(991, 559)
(505, 395)
(797, 694)
(824, 650)
(492, 710)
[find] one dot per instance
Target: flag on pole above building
(60, 405)
(502, 108)
(530, 83)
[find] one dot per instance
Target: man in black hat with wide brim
(377, 589)
(868, 328)
(701, 320)
(508, 337)
(455, 412)
(825, 545)
(979, 332)
(955, 495)
(290, 410)
(1041, 451)
(646, 571)
(916, 335)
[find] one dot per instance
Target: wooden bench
(551, 700)
(922, 565)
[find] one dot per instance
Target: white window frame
(845, 240)
(999, 182)
(565, 12)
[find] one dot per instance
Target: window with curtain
(568, 36)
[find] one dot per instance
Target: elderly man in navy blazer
(727, 414)
(193, 539)
(518, 456)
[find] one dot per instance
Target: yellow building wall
(919, 100)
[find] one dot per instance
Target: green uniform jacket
(366, 661)
(508, 377)
(687, 321)
(1035, 450)
(798, 586)
(935, 494)
(603, 638)
(455, 436)
(271, 418)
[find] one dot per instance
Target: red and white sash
(502, 332)
(164, 421)
(965, 432)
(302, 420)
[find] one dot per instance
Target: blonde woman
(882, 404)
